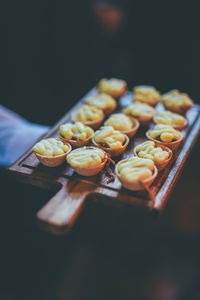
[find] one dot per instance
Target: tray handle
(60, 213)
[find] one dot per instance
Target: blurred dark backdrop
(58, 50)
(52, 53)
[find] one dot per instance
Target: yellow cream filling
(175, 98)
(136, 169)
(149, 150)
(111, 85)
(164, 133)
(138, 110)
(77, 131)
(147, 94)
(169, 118)
(119, 122)
(101, 100)
(85, 157)
(108, 137)
(50, 147)
(87, 113)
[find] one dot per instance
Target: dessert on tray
(170, 118)
(146, 94)
(165, 135)
(87, 161)
(110, 140)
(161, 155)
(51, 152)
(176, 101)
(125, 124)
(76, 134)
(89, 115)
(113, 87)
(103, 101)
(136, 173)
(144, 113)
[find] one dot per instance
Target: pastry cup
(177, 127)
(53, 161)
(140, 185)
(93, 170)
(118, 94)
(143, 120)
(160, 166)
(172, 145)
(107, 110)
(182, 109)
(93, 124)
(113, 152)
(130, 133)
(76, 143)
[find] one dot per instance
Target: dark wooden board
(60, 212)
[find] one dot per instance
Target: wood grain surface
(59, 214)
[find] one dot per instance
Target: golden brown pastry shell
(93, 124)
(76, 143)
(160, 166)
(172, 145)
(142, 119)
(91, 171)
(116, 94)
(136, 186)
(53, 161)
(113, 152)
(177, 127)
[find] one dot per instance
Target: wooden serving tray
(59, 214)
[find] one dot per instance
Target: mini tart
(89, 115)
(169, 118)
(161, 155)
(87, 161)
(112, 141)
(136, 173)
(104, 102)
(146, 94)
(113, 87)
(77, 134)
(165, 135)
(125, 124)
(51, 152)
(176, 101)
(144, 113)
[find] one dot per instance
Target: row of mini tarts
(111, 151)
(144, 113)
(174, 100)
(95, 102)
(89, 171)
(173, 145)
(129, 133)
(95, 169)
(76, 143)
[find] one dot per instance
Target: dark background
(58, 50)
(52, 53)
